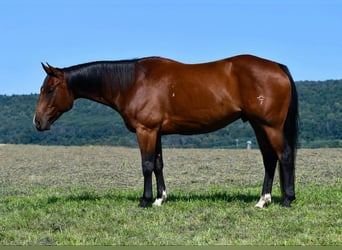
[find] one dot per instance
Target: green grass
(81, 216)
(49, 211)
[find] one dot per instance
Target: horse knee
(147, 168)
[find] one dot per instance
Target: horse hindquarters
(279, 143)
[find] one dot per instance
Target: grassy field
(89, 196)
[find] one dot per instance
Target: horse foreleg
(158, 171)
(147, 144)
(147, 168)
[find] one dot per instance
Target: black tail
(291, 123)
(287, 163)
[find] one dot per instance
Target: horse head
(55, 98)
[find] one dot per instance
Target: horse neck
(94, 91)
(103, 82)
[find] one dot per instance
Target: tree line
(320, 108)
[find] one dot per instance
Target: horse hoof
(144, 203)
(264, 200)
(286, 203)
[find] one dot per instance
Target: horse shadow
(172, 197)
(219, 196)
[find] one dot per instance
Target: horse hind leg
(287, 175)
(270, 159)
(270, 163)
(285, 154)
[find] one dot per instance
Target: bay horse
(157, 96)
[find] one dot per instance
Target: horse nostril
(36, 123)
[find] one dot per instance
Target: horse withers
(157, 96)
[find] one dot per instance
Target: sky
(305, 35)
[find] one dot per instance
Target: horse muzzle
(41, 123)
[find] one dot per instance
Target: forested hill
(320, 105)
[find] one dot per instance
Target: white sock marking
(264, 199)
(158, 202)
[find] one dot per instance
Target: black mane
(120, 74)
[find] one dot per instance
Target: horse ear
(52, 71)
(46, 69)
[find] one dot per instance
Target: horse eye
(50, 90)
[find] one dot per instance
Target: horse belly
(198, 121)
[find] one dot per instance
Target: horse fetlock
(158, 202)
(264, 200)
